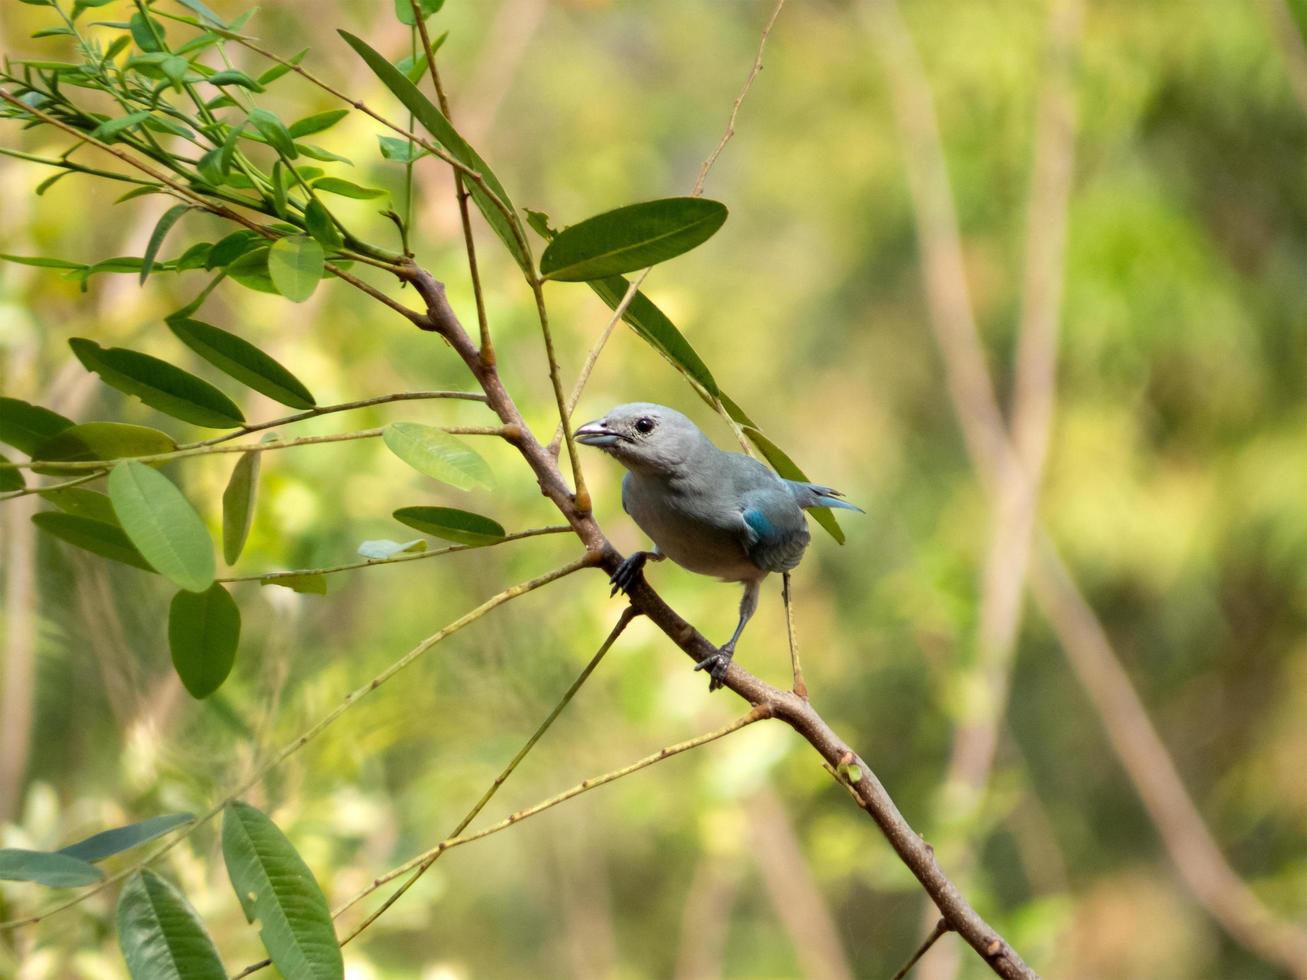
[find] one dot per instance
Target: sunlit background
(1173, 492)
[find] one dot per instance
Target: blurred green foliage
(1175, 490)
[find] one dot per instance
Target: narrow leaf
(243, 361)
(105, 844)
(233, 77)
(204, 630)
(238, 506)
(346, 188)
(161, 936)
(311, 583)
(160, 385)
(25, 426)
(451, 524)
(41, 262)
(384, 548)
(276, 889)
(45, 868)
(316, 123)
(157, 236)
(106, 540)
(438, 454)
(317, 219)
(107, 130)
(162, 524)
(274, 131)
(404, 10)
(295, 265)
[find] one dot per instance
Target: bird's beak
(596, 434)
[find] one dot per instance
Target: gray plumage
(713, 512)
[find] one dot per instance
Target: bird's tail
(811, 495)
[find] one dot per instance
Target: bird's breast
(690, 530)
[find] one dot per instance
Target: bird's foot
(628, 573)
(716, 665)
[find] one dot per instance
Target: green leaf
(160, 385)
(107, 130)
(316, 123)
(451, 524)
(161, 936)
(231, 247)
(318, 153)
(157, 236)
(312, 583)
(146, 32)
(317, 219)
(204, 630)
(346, 188)
(233, 77)
(438, 455)
(97, 537)
(276, 71)
(228, 150)
(83, 502)
(10, 479)
(50, 181)
(243, 361)
(630, 238)
(504, 225)
(384, 548)
(404, 10)
(43, 263)
(295, 265)
(162, 524)
(203, 11)
(251, 271)
(276, 889)
(107, 843)
(100, 440)
(25, 426)
(653, 326)
(238, 506)
(402, 150)
(45, 868)
(274, 131)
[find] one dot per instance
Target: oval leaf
(162, 524)
(161, 936)
(438, 455)
(84, 503)
(451, 524)
(384, 548)
(251, 271)
(101, 440)
(55, 870)
(276, 888)
(107, 843)
(238, 506)
(204, 631)
(160, 385)
(274, 132)
(630, 238)
(25, 426)
(243, 361)
(106, 540)
(295, 265)
(316, 123)
(317, 220)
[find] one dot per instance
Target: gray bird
(713, 512)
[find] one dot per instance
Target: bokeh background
(1174, 492)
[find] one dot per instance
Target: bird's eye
(644, 426)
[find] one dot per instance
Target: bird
(710, 511)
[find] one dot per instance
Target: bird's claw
(716, 664)
(628, 573)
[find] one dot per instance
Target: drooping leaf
(47, 868)
(204, 630)
(276, 889)
(316, 123)
(228, 149)
(630, 238)
(310, 583)
(295, 264)
(242, 360)
(438, 454)
(435, 123)
(274, 131)
(238, 506)
(162, 524)
(384, 548)
(106, 540)
(25, 426)
(347, 188)
(83, 502)
(404, 10)
(100, 440)
(107, 843)
(161, 230)
(317, 220)
(10, 478)
(160, 385)
(161, 936)
(460, 526)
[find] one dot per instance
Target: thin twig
(317, 729)
(941, 927)
(393, 559)
(53, 486)
(800, 687)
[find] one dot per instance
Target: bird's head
(644, 437)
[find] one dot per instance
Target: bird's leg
(630, 570)
(800, 688)
(717, 663)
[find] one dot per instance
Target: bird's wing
(774, 528)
